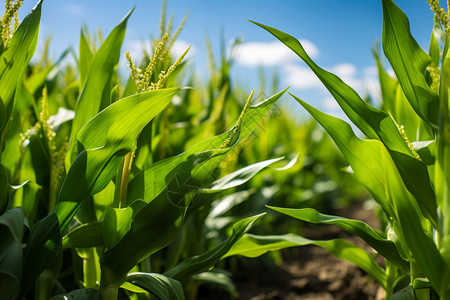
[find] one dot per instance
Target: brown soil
(310, 272)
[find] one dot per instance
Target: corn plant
(87, 182)
(402, 162)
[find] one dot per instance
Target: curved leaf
(375, 124)
(163, 287)
(253, 245)
(364, 231)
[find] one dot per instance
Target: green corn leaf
(409, 62)
(364, 231)
(42, 247)
(105, 140)
(442, 167)
(216, 277)
(253, 246)
(375, 124)
(207, 260)
(84, 236)
(152, 180)
(97, 84)
(159, 285)
(11, 234)
(14, 60)
(81, 294)
(116, 223)
(374, 168)
(239, 177)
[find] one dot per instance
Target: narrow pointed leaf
(97, 83)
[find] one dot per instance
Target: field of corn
(151, 183)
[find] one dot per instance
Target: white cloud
(270, 54)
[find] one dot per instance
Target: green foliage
(411, 190)
(111, 177)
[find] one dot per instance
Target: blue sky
(339, 35)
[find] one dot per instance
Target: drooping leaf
(105, 140)
(364, 231)
(253, 246)
(375, 124)
(163, 287)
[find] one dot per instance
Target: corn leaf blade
(409, 62)
(364, 231)
(252, 245)
(159, 285)
(15, 58)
